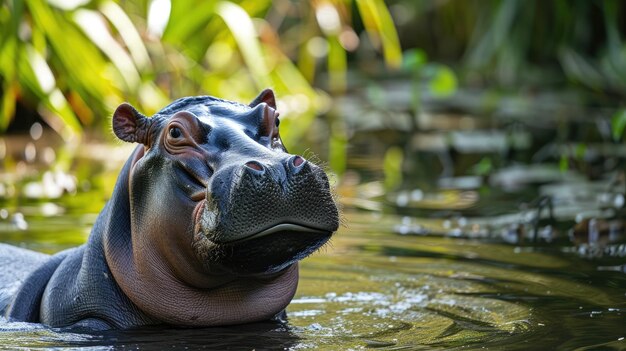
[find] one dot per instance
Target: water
(375, 289)
(531, 257)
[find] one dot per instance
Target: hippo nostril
(297, 161)
(254, 165)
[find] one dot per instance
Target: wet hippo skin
(207, 221)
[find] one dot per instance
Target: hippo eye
(277, 122)
(175, 132)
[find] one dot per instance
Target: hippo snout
(254, 197)
(278, 173)
(293, 164)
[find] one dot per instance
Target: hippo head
(214, 191)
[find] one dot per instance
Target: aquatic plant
(74, 61)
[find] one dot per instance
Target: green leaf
(443, 83)
(337, 65)
(116, 15)
(338, 148)
(74, 58)
(7, 105)
(563, 163)
(580, 150)
(392, 167)
(618, 123)
(413, 60)
(184, 21)
(31, 69)
(93, 25)
(484, 167)
(242, 28)
(379, 25)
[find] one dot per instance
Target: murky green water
(372, 288)
(453, 268)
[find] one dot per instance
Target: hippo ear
(266, 96)
(130, 125)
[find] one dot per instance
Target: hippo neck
(155, 289)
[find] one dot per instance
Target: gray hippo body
(17, 264)
(73, 288)
(207, 221)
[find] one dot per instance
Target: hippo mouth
(283, 228)
(274, 249)
(261, 221)
(265, 252)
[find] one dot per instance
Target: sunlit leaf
(69, 127)
(392, 167)
(84, 68)
(338, 148)
(484, 167)
(87, 57)
(243, 30)
(95, 28)
(8, 59)
(288, 80)
(158, 16)
(337, 65)
(328, 18)
(42, 71)
(152, 99)
(380, 26)
(116, 15)
(306, 61)
(7, 107)
(61, 117)
(67, 5)
(443, 83)
(184, 21)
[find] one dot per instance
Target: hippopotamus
(205, 227)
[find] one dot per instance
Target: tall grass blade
(380, 27)
(240, 25)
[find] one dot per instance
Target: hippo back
(17, 264)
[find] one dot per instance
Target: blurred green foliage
(392, 167)
(75, 61)
(618, 124)
(504, 43)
